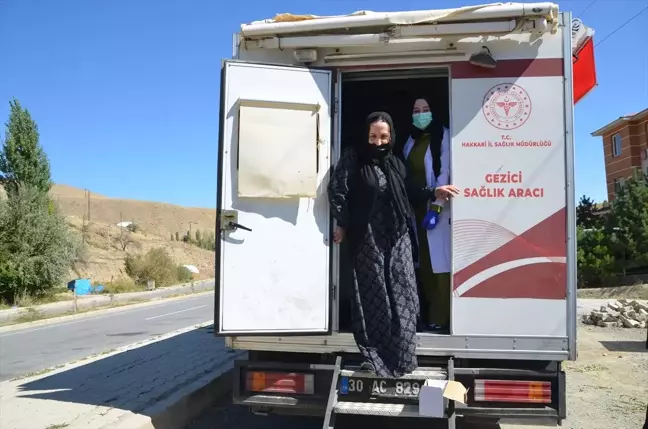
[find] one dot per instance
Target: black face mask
(375, 151)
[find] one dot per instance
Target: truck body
(295, 95)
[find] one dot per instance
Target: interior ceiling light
(483, 58)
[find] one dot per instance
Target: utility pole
(87, 192)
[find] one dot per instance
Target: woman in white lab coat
(427, 155)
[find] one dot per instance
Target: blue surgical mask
(422, 120)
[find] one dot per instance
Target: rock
(631, 315)
(642, 325)
(603, 309)
(642, 315)
(607, 324)
(596, 315)
(588, 320)
(614, 305)
(629, 323)
(622, 301)
(610, 318)
(640, 306)
(626, 309)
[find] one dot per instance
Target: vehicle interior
(394, 92)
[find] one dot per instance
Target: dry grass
(105, 241)
(121, 285)
(159, 219)
(54, 295)
(104, 258)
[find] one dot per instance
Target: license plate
(380, 387)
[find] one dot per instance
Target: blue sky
(126, 92)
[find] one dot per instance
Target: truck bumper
(288, 394)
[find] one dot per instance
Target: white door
(273, 213)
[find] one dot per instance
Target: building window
(618, 185)
(616, 145)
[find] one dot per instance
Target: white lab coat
(440, 238)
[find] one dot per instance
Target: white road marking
(175, 312)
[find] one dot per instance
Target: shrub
(155, 265)
(133, 227)
(184, 275)
(121, 285)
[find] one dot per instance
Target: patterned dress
(385, 300)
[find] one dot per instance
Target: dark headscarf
(435, 130)
(371, 156)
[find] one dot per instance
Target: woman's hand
(446, 192)
(338, 234)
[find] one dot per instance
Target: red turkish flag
(584, 70)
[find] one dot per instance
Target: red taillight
(280, 382)
(537, 392)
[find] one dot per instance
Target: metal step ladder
(337, 404)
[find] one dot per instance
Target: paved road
(33, 349)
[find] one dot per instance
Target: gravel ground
(607, 387)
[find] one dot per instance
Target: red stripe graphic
(540, 281)
(541, 67)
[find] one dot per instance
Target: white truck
(295, 94)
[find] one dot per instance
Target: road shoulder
(100, 311)
(90, 303)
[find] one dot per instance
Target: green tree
(210, 241)
(628, 224)
(37, 247)
(596, 264)
(22, 159)
(198, 238)
(585, 214)
(177, 236)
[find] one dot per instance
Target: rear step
(380, 406)
(417, 374)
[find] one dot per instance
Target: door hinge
(334, 292)
(336, 103)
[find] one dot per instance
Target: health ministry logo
(506, 106)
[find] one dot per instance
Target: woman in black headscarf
(369, 202)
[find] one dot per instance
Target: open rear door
(510, 149)
(273, 216)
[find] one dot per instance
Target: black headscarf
(435, 130)
(369, 157)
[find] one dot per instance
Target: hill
(105, 240)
